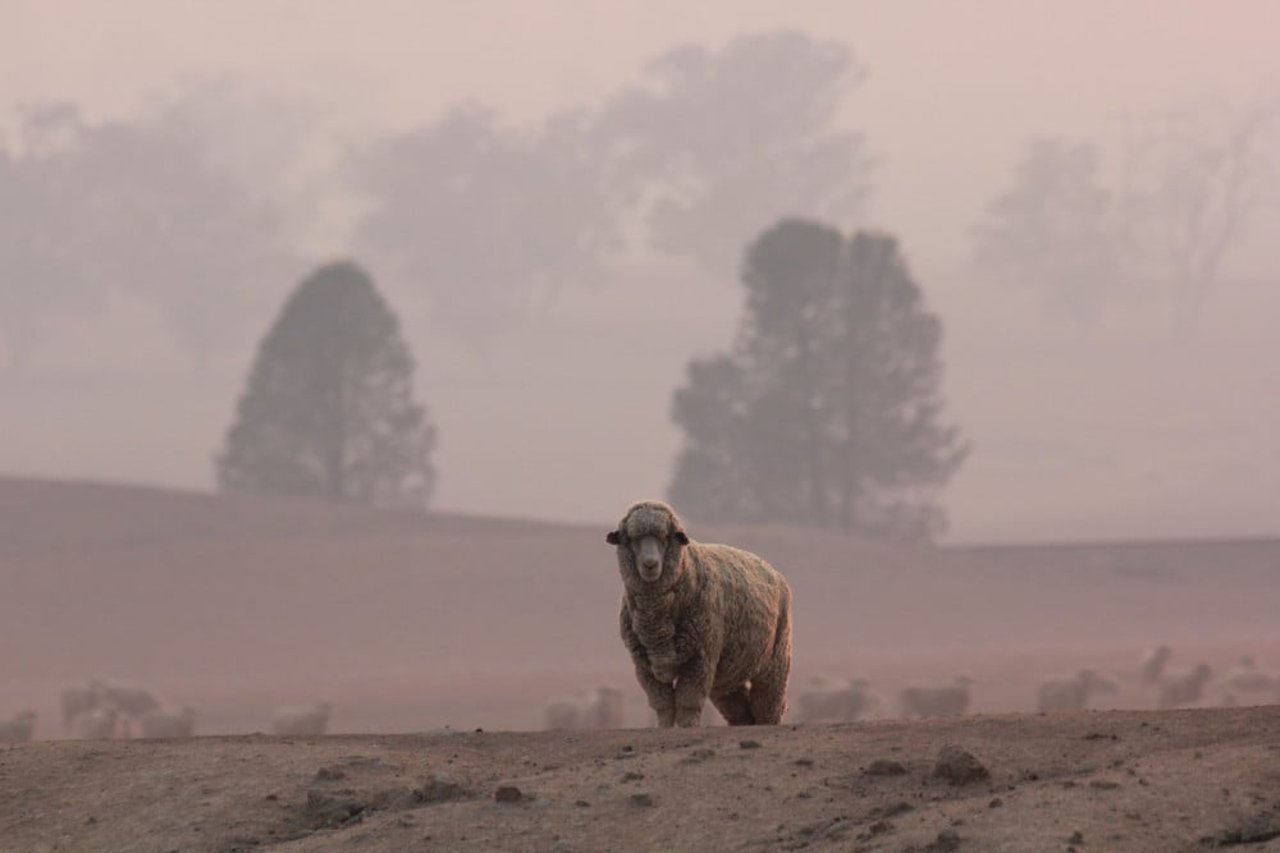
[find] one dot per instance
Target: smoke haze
(1122, 430)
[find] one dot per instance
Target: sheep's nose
(651, 562)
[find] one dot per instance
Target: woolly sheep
(1071, 694)
(592, 709)
(18, 729)
(836, 701)
(168, 724)
(1184, 688)
(701, 621)
(77, 701)
(97, 724)
(936, 701)
(1153, 664)
(1246, 683)
(304, 720)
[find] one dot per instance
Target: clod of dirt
(396, 798)
(946, 841)
(632, 776)
(324, 809)
(508, 794)
(644, 800)
(749, 744)
(804, 762)
(1104, 784)
(885, 767)
(1077, 837)
(330, 774)
(995, 803)
(959, 767)
(438, 789)
(698, 756)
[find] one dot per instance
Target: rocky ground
(1115, 781)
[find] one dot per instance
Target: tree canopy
(329, 409)
(827, 410)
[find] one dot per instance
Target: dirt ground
(1115, 780)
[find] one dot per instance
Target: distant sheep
(837, 701)
(1153, 664)
(1071, 694)
(701, 621)
(1185, 688)
(77, 701)
(592, 709)
(936, 701)
(97, 724)
(1246, 684)
(19, 729)
(305, 720)
(168, 724)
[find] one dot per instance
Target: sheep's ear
(613, 537)
(681, 537)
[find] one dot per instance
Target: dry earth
(410, 623)
(1115, 781)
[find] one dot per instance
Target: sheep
(77, 701)
(936, 701)
(1184, 688)
(1071, 694)
(593, 709)
(18, 729)
(701, 621)
(304, 720)
(97, 724)
(1153, 664)
(168, 724)
(1244, 682)
(836, 701)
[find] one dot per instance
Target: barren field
(444, 625)
(1123, 781)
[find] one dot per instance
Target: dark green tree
(827, 410)
(329, 409)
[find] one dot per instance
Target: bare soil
(1122, 781)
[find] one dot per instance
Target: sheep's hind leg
(734, 706)
(768, 694)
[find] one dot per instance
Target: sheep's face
(649, 539)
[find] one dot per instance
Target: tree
(1056, 230)
(488, 222)
(329, 409)
(714, 138)
(1201, 175)
(827, 410)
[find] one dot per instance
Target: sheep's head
(650, 539)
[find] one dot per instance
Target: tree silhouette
(1056, 230)
(827, 410)
(329, 409)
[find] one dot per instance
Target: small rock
(885, 767)
(395, 799)
(1076, 838)
(508, 794)
(438, 789)
(749, 744)
(698, 756)
(641, 800)
(632, 776)
(271, 797)
(91, 820)
(995, 803)
(880, 827)
(582, 804)
(1104, 784)
(804, 762)
(946, 841)
(959, 767)
(330, 774)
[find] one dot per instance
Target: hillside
(405, 622)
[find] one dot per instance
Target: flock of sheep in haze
(104, 710)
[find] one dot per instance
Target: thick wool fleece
(716, 623)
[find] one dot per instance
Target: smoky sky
(1120, 431)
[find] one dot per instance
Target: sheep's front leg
(661, 696)
(692, 688)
